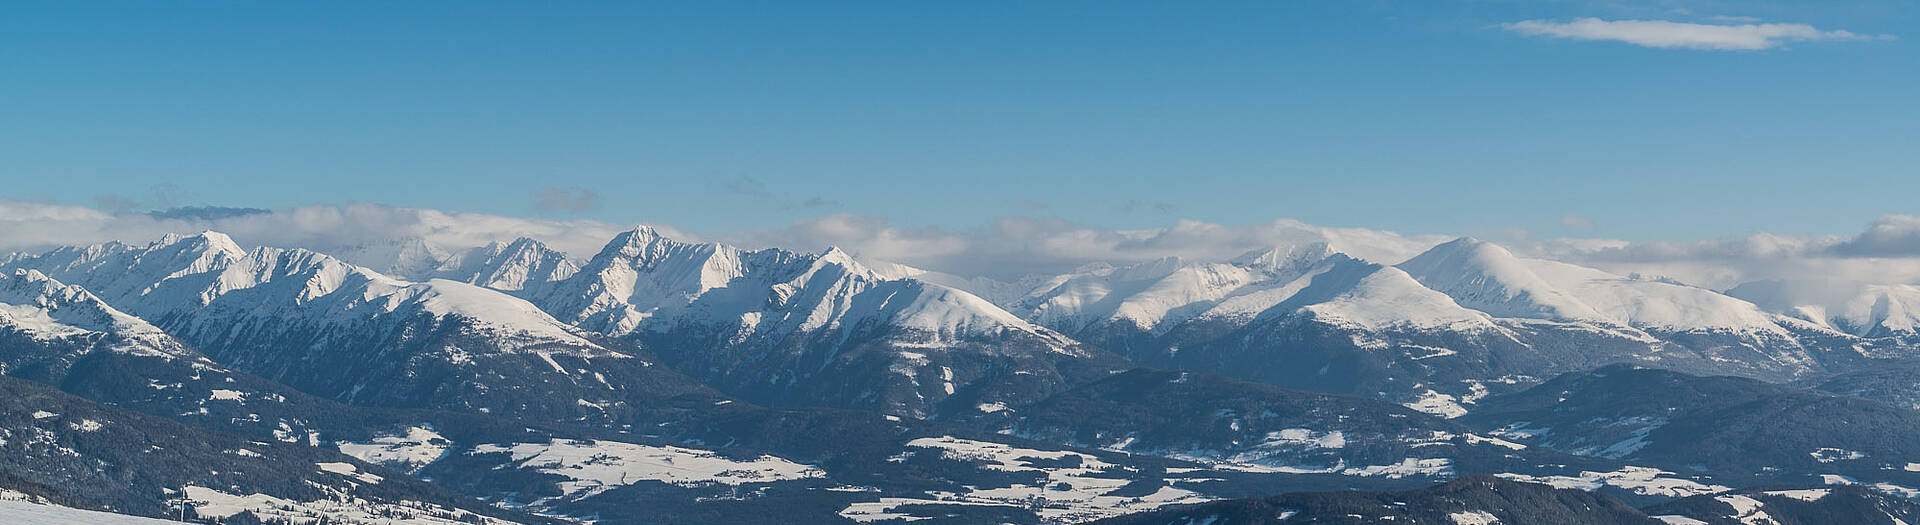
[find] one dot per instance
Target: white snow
(26, 513)
(1747, 510)
(1067, 494)
(1638, 480)
(207, 283)
(1308, 437)
(1436, 403)
(1802, 494)
(1473, 517)
(1830, 455)
(348, 470)
(414, 449)
(592, 466)
(339, 508)
(1475, 439)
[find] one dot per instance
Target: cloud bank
(1887, 251)
(1684, 35)
(32, 226)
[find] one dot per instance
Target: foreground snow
(25, 513)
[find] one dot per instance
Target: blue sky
(1409, 116)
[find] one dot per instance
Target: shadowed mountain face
(1808, 506)
(1474, 499)
(124, 461)
(1241, 425)
(1722, 424)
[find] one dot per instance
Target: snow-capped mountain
(50, 313)
(790, 328)
(1159, 293)
(1434, 330)
(345, 332)
(508, 374)
(513, 266)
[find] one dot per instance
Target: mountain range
(662, 380)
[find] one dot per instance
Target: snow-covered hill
(1434, 330)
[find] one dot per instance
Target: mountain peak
(1285, 257)
(209, 240)
(637, 243)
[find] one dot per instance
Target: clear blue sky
(1411, 116)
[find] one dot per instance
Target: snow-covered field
(409, 452)
(24, 513)
(344, 509)
(594, 466)
(1638, 480)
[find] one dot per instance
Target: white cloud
(1575, 221)
(1887, 251)
(30, 226)
(1015, 246)
(1683, 35)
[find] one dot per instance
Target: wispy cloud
(752, 188)
(1030, 204)
(1575, 221)
(1684, 35)
(573, 200)
(746, 186)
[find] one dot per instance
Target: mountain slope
(785, 328)
(1840, 504)
(1479, 500)
(347, 333)
(1447, 326)
(516, 266)
(1248, 426)
(1764, 432)
(127, 461)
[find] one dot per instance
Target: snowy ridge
(515, 266)
(1159, 293)
(766, 324)
(47, 310)
(31, 301)
(1490, 279)
(205, 284)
